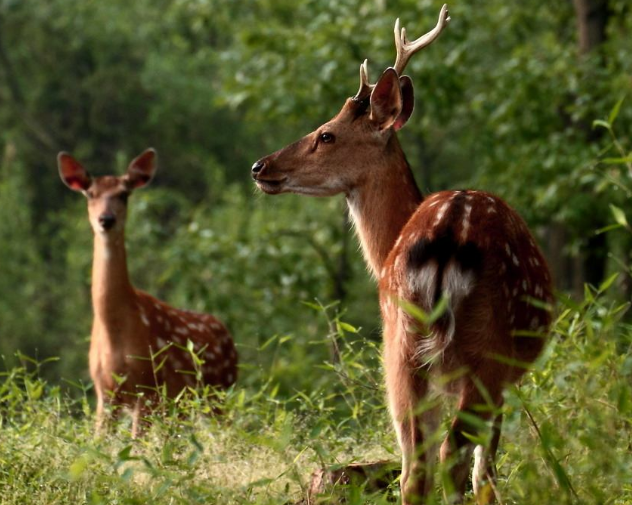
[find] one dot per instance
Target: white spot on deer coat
(143, 318)
(466, 222)
(182, 330)
(515, 260)
(441, 212)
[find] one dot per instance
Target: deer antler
(365, 85)
(405, 50)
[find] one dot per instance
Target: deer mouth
(270, 186)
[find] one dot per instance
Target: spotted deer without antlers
(466, 251)
(139, 344)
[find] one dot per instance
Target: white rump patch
(455, 286)
(423, 282)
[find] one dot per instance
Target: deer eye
(124, 196)
(327, 138)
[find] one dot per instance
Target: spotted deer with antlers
(139, 344)
(465, 251)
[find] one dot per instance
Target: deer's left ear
(386, 100)
(408, 102)
(142, 169)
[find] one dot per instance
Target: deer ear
(72, 173)
(386, 100)
(408, 102)
(141, 170)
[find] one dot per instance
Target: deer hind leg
(457, 448)
(406, 389)
(485, 461)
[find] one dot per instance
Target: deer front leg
(100, 415)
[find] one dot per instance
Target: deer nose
(258, 166)
(107, 221)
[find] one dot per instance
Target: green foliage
(565, 440)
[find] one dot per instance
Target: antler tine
(365, 86)
(406, 49)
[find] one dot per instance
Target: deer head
(107, 195)
(359, 141)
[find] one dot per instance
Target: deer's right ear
(408, 102)
(72, 173)
(386, 100)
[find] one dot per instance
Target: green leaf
(346, 327)
(125, 453)
(617, 161)
(610, 227)
(615, 111)
(608, 282)
(602, 123)
(619, 216)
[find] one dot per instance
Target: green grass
(567, 435)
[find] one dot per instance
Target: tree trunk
(592, 18)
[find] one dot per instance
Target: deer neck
(112, 292)
(382, 204)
